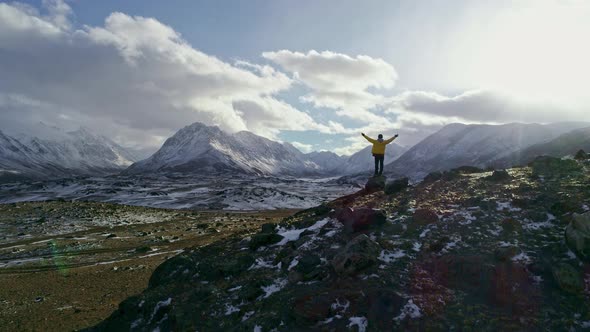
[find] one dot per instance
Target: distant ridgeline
(200, 149)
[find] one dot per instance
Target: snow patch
(277, 286)
(294, 263)
(360, 322)
(247, 315)
(506, 206)
(409, 310)
(389, 257)
(522, 258)
(159, 305)
(293, 234)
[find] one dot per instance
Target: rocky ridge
(476, 249)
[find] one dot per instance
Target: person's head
(380, 136)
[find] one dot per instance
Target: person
(378, 151)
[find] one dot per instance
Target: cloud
(478, 106)
(305, 148)
(133, 78)
(339, 81)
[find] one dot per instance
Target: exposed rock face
(358, 255)
(375, 183)
(396, 186)
(577, 235)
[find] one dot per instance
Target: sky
(312, 73)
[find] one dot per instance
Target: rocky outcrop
(375, 183)
(460, 252)
(577, 235)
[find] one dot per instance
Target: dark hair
(380, 136)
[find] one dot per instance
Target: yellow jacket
(378, 146)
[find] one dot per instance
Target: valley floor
(67, 265)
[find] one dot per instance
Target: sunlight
(536, 52)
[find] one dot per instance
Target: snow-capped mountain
(475, 145)
(327, 160)
(208, 150)
(53, 152)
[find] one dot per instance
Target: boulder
(577, 235)
(424, 217)
(376, 183)
(396, 186)
(359, 219)
(359, 254)
(499, 176)
(568, 278)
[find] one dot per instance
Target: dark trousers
(379, 163)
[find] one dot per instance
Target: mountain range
(54, 152)
(201, 149)
(489, 146)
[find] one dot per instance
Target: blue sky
(314, 73)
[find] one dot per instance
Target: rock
(499, 176)
(577, 235)
(506, 253)
(568, 278)
(264, 239)
(424, 217)
(111, 236)
(359, 219)
(359, 254)
(376, 183)
(581, 155)
(396, 186)
(432, 177)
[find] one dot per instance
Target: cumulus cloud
(133, 77)
(339, 81)
(478, 106)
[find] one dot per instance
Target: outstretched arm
(368, 138)
(391, 139)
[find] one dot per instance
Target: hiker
(378, 150)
